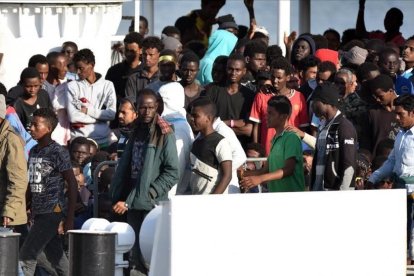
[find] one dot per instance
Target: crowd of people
(182, 113)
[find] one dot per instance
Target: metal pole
(304, 16)
(148, 12)
(137, 12)
(283, 20)
(96, 186)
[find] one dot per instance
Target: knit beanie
(327, 93)
(356, 55)
(327, 55)
(170, 42)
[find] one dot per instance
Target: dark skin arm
(245, 130)
(262, 170)
(288, 169)
(250, 10)
(360, 28)
(256, 133)
(226, 177)
(241, 127)
(120, 208)
(72, 193)
(288, 40)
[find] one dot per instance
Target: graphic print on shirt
(45, 177)
(35, 175)
(137, 160)
(206, 155)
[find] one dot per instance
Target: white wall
(30, 29)
(358, 233)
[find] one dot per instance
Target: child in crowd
(49, 168)
(211, 155)
(87, 169)
(363, 169)
(82, 210)
(80, 178)
(31, 99)
(93, 146)
(284, 168)
(80, 151)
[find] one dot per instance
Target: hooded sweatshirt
(221, 43)
(311, 43)
(100, 100)
(173, 97)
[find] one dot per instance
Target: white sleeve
(309, 140)
(223, 151)
(239, 156)
(107, 114)
(74, 114)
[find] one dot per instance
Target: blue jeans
(43, 236)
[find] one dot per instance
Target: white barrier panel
(358, 233)
(147, 233)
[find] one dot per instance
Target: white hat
(261, 29)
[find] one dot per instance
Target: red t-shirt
(398, 39)
(258, 114)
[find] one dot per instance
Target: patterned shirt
(138, 157)
(321, 148)
(45, 177)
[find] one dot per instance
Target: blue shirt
(401, 159)
(404, 83)
(19, 128)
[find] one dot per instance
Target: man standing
(204, 20)
(381, 122)
(146, 172)
(234, 100)
(91, 101)
(405, 83)
(335, 156)
(120, 72)
(189, 67)
(127, 116)
(151, 48)
(255, 54)
(13, 174)
(400, 163)
(350, 103)
(40, 63)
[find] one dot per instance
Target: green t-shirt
(285, 146)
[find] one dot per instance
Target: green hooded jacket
(159, 173)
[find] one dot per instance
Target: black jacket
(340, 155)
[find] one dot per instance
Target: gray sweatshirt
(100, 100)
